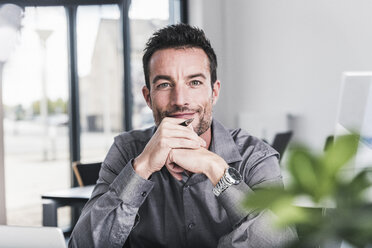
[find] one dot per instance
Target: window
(39, 140)
(146, 16)
(35, 114)
(100, 70)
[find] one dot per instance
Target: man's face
(180, 87)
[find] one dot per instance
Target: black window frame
(71, 9)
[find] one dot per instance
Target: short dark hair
(179, 36)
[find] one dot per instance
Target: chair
(86, 174)
(328, 142)
(281, 142)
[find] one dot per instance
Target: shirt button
(144, 193)
(191, 225)
(187, 187)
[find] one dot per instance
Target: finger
(182, 132)
(173, 120)
(173, 166)
(176, 143)
(171, 128)
(176, 175)
(176, 168)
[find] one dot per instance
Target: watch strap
(222, 185)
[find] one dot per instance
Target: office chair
(86, 174)
(281, 142)
(328, 142)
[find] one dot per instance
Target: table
(76, 197)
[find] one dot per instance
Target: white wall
(2, 171)
(285, 56)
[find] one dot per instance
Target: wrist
(230, 177)
(140, 167)
(216, 170)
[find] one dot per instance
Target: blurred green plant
(54, 106)
(339, 208)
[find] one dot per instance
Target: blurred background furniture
(87, 173)
(281, 142)
(74, 197)
(328, 142)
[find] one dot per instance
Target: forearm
(109, 217)
(251, 228)
(104, 226)
(258, 230)
(215, 168)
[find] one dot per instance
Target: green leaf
(264, 198)
(288, 214)
(303, 168)
(340, 153)
(351, 193)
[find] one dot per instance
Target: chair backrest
(86, 174)
(281, 142)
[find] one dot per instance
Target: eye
(195, 83)
(163, 85)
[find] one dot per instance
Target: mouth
(182, 115)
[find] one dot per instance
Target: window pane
(146, 16)
(35, 87)
(100, 67)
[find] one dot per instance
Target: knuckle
(164, 125)
(163, 142)
(165, 120)
(161, 132)
(170, 155)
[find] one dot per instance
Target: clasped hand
(179, 148)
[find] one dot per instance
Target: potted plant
(339, 210)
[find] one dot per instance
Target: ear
(146, 96)
(216, 91)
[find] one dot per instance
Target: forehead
(179, 60)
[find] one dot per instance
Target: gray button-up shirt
(127, 210)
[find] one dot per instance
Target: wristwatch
(231, 177)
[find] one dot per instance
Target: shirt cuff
(231, 200)
(131, 187)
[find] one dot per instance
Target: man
(181, 183)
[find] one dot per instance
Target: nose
(180, 96)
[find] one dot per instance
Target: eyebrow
(197, 75)
(168, 78)
(159, 77)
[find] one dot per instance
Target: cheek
(159, 101)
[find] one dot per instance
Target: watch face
(235, 175)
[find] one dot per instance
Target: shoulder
(259, 166)
(126, 146)
(130, 144)
(134, 136)
(251, 147)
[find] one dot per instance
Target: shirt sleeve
(111, 213)
(251, 228)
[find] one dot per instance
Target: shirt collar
(223, 144)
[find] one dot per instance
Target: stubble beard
(205, 116)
